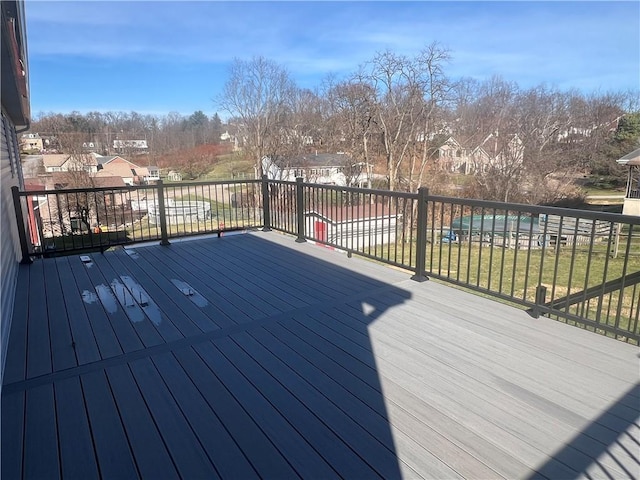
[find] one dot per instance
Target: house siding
(9, 244)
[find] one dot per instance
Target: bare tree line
(163, 134)
(395, 112)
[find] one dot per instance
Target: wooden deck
(254, 356)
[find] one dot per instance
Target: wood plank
(256, 290)
(274, 412)
(440, 428)
(256, 446)
(38, 344)
(13, 407)
(356, 406)
(15, 369)
(165, 275)
(77, 456)
(63, 353)
(149, 450)
(346, 274)
(86, 347)
(264, 277)
(376, 455)
(223, 452)
(102, 328)
(464, 336)
(480, 382)
(190, 459)
(331, 270)
(320, 282)
(137, 334)
(115, 459)
(127, 334)
(41, 436)
(212, 288)
(175, 306)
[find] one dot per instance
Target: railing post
(541, 298)
(164, 238)
(22, 233)
(300, 210)
(266, 205)
(421, 238)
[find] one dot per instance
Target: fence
(578, 266)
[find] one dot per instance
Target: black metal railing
(579, 266)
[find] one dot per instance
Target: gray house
(15, 120)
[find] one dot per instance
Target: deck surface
(252, 356)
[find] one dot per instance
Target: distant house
(353, 227)
(153, 174)
(31, 142)
(130, 146)
(474, 155)
(174, 176)
(323, 168)
(66, 163)
(91, 147)
(117, 166)
(632, 195)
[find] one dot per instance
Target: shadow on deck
(253, 356)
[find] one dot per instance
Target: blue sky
(157, 57)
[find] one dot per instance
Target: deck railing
(579, 266)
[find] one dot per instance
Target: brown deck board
(303, 363)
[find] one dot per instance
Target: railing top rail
(131, 188)
(213, 182)
(128, 188)
(538, 209)
(370, 191)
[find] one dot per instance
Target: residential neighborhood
(367, 255)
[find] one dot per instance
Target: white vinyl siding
(9, 243)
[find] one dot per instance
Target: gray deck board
(115, 459)
(254, 443)
(104, 334)
(163, 291)
(302, 363)
(138, 333)
(12, 434)
(63, 353)
(16, 361)
(86, 348)
(190, 458)
(38, 341)
(77, 456)
(152, 458)
(41, 458)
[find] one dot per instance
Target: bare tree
(258, 94)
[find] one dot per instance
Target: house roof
(349, 213)
(632, 158)
(56, 160)
(122, 170)
(102, 160)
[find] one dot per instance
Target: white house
(31, 142)
(132, 146)
(323, 168)
(353, 227)
(62, 162)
